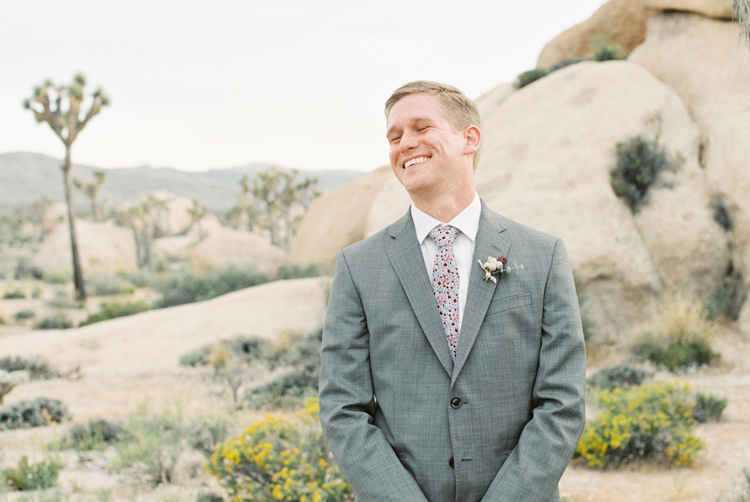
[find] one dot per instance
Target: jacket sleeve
(347, 402)
(533, 469)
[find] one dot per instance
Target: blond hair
(460, 111)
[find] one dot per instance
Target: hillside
(26, 177)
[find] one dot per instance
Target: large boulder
(101, 246)
(718, 9)
(337, 219)
(222, 247)
(547, 154)
(700, 59)
(171, 213)
(617, 22)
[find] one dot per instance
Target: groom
(453, 358)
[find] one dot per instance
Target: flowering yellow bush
(276, 460)
(648, 421)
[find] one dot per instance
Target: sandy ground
(122, 363)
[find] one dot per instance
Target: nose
(408, 141)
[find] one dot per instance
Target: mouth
(418, 160)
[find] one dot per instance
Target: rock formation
(621, 23)
(102, 246)
(549, 147)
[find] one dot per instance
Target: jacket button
(450, 463)
(456, 403)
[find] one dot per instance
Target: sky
(197, 85)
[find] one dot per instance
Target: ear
(473, 137)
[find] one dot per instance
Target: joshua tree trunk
(77, 273)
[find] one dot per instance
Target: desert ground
(114, 366)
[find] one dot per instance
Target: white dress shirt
(467, 221)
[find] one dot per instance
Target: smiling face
(428, 156)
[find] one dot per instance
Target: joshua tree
(60, 107)
(91, 190)
(742, 13)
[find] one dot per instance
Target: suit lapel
(489, 242)
(406, 259)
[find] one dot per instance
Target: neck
(445, 208)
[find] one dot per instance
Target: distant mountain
(26, 177)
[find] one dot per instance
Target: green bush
(104, 284)
(24, 314)
(708, 407)
(28, 476)
(680, 338)
(620, 376)
(15, 294)
(608, 53)
(679, 354)
(208, 497)
(35, 413)
(38, 368)
(203, 434)
(56, 321)
(276, 460)
(646, 422)
(62, 276)
(248, 348)
(638, 165)
(152, 444)
(112, 310)
(291, 389)
(25, 269)
(93, 435)
(528, 77)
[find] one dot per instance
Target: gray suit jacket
(407, 424)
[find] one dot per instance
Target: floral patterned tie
(445, 283)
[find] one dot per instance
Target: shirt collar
(467, 221)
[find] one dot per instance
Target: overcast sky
(197, 85)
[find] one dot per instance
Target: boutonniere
(496, 267)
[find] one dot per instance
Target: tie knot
(444, 236)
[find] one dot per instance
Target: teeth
(415, 161)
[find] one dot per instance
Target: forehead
(414, 108)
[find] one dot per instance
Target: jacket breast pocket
(500, 305)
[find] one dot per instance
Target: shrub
(28, 476)
(112, 310)
(93, 435)
(24, 314)
(152, 444)
(740, 492)
(708, 407)
(680, 339)
(104, 284)
(528, 77)
(638, 165)
(25, 269)
(40, 411)
(248, 348)
(620, 376)
(291, 389)
(62, 276)
(204, 433)
(15, 294)
(56, 321)
(646, 422)
(38, 368)
(276, 460)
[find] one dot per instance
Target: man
(428, 394)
